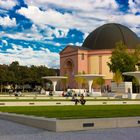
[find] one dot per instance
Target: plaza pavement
(62, 103)
(13, 131)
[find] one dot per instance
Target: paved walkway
(13, 131)
(62, 103)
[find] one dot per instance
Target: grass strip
(63, 112)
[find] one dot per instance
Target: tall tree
(136, 54)
(81, 82)
(117, 77)
(21, 75)
(122, 59)
(99, 82)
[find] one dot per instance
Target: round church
(95, 52)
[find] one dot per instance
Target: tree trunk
(23, 88)
(1, 87)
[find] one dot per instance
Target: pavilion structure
(136, 74)
(54, 80)
(89, 78)
(133, 73)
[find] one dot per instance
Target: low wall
(72, 124)
(100, 123)
(133, 96)
(39, 122)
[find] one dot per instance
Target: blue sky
(33, 32)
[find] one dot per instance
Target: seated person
(82, 100)
(50, 93)
(74, 98)
(63, 94)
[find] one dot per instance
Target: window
(82, 56)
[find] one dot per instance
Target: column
(54, 85)
(90, 85)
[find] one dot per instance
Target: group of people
(81, 100)
(67, 94)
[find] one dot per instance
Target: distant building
(93, 55)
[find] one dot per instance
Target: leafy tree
(118, 77)
(37, 72)
(99, 82)
(123, 59)
(13, 68)
(2, 78)
(16, 74)
(137, 56)
(24, 76)
(80, 81)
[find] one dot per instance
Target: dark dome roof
(106, 36)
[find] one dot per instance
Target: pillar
(90, 85)
(54, 85)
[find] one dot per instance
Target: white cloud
(60, 32)
(34, 28)
(34, 33)
(70, 44)
(86, 5)
(23, 35)
(85, 35)
(85, 15)
(78, 44)
(62, 22)
(57, 44)
(5, 42)
(8, 4)
(50, 33)
(28, 56)
(7, 22)
(134, 6)
(132, 19)
(49, 17)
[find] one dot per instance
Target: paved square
(13, 131)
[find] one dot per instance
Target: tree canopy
(123, 59)
(17, 74)
(118, 77)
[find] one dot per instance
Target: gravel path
(13, 131)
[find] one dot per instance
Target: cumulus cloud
(54, 18)
(22, 36)
(34, 34)
(50, 33)
(7, 22)
(57, 44)
(49, 17)
(8, 4)
(134, 6)
(4, 42)
(86, 5)
(78, 44)
(84, 16)
(61, 21)
(28, 56)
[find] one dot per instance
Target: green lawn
(62, 112)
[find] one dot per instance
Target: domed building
(93, 55)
